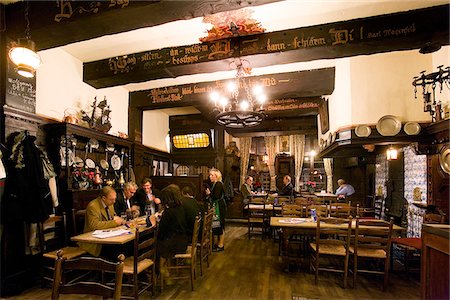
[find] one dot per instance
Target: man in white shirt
(344, 189)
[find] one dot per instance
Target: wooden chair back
(283, 199)
(52, 233)
(292, 210)
(143, 259)
(373, 239)
(340, 210)
(432, 218)
(332, 238)
(87, 287)
(205, 245)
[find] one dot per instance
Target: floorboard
(252, 269)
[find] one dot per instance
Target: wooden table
(115, 240)
(259, 206)
(308, 225)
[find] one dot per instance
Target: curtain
(299, 154)
(245, 144)
(271, 144)
(328, 164)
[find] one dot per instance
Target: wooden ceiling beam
(58, 23)
(378, 34)
(285, 92)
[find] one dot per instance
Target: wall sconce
(23, 54)
(391, 153)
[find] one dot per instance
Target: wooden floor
(251, 269)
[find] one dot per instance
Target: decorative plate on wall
(389, 125)
(412, 128)
(444, 160)
(363, 131)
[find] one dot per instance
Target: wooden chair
(93, 287)
(142, 261)
(205, 244)
(52, 238)
(257, 215)
(291, 245)
(340, 210)
(332, 239)
(185, 261)
(412, 246)
(372, 241)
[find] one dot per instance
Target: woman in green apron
(216, 197)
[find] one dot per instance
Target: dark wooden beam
(385, 33)
(57, 23)
(301, 125)
(281, 89)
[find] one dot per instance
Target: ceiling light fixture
(243, 107)
(23, 53)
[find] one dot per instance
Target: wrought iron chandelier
(244, 106)
(433, 103)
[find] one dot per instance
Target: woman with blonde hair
(216, 197)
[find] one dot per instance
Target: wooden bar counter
(435, 261)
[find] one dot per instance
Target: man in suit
(100, 214)
(288, 188)
(246, 189)
(124, 200)
(146, 195)
(191, 208)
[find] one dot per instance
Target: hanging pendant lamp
(23, 54)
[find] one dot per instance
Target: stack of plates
(389, 125)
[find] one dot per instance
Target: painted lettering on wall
(67, 8)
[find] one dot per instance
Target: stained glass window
(191, 140)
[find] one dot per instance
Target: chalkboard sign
(20, 91)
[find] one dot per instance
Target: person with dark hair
(173, 237)
(173, 234)
(146, 195)
(191, 207)
(100, 214)
(216, 196)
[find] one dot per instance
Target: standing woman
(216, 196)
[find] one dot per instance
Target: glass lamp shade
(25, 58)
(391, 154)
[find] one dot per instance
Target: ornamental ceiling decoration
(231, 23)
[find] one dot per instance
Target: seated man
(124, 201)
(288, 188)
(100, 214)
(191, 207)
(344, 189)
(147, 196)
(246, 189)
